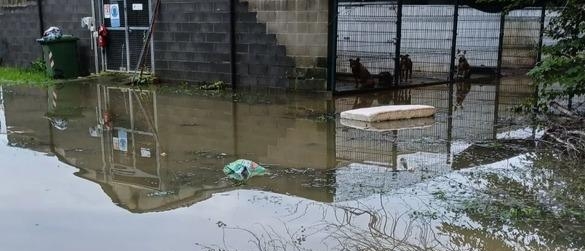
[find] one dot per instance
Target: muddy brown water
(105, 167)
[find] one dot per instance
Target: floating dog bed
(403, 124)
(389, 112)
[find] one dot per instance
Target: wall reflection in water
(155, 150)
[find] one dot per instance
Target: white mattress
(389, 112)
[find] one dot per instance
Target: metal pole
(451, 81)
(397, 44)
(501, 43)
(496, 108)
(331, 139)
(450, 122)
(92, 38)
(332, 46)
(394, 163)
(152, 17)
(127, 31)
(233, 69)
(102, 21)
(539, 55)
(454, 42)
(3, 129)
(541, 34)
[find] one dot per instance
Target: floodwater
(104, 167)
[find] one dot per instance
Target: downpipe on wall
(41, 21)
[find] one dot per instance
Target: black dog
(385, 79)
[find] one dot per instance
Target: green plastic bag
(243, 169)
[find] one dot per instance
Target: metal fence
(475, 113)
(377, 32)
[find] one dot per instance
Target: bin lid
(62, 39)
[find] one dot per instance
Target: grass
(18, 76)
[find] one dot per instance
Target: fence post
(454, 41)
(501, 43)
(539, 55)
(127, 34)
(451, 79)
(398, 42)
(332, 46)
(233, 43)
(541, 34)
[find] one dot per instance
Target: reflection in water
(393, 97)
(154, 150)
(3, 130)
(463, 88)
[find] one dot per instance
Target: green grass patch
(18, 76)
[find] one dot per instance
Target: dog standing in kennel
(463, 66)
(405, 68)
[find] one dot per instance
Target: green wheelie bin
(61, 57)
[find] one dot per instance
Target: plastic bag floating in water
(243, 169)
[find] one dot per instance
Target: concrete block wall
(192, 41)
(192, 44)
(301, 26)
(276, 46)
(520, 44)
(21, 27)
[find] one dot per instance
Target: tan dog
(463, 67)
(361, 74)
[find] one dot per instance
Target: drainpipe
(41, 22)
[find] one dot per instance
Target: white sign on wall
(107, 12)
(137, 6)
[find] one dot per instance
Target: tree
(561, 72)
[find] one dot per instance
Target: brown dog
(361, 74)
(405, 68)
(463, 67)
